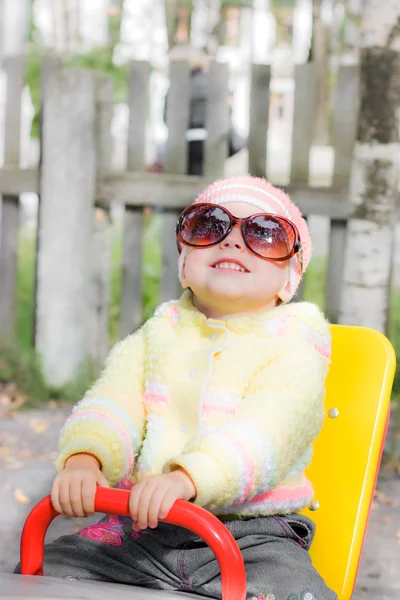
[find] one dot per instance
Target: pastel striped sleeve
(271, 431)
(108, 422)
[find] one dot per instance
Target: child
(217, 399)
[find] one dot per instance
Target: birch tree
(375, 170)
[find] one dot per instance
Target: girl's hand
(74, 488)
(154, 496)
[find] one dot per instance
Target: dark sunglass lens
(204, 226)
(270, 237)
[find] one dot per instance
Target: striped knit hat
(267, 198)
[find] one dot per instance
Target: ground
(28, 443)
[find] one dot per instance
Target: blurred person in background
(198, 94)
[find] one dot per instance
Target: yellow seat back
(347, 452)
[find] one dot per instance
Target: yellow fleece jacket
(237, 403)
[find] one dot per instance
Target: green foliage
(236, 3)
(276, 5)
(21, 366)
(26, 287)
(116, 285)
(315, 281)
(151, 272)
(100, 59)
(152, 260)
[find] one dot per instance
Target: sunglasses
(270, 237)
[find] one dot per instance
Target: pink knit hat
(267, 198)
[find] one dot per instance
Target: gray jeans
(275, 551)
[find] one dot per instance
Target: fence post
(15, 72)
(175, 162)
(132, 255)
(259, 117)
(303, 130)
(102, 228)
(303, 121)
(64, 290)
(49, 64)
(217, 122)
(344, 134)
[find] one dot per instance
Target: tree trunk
(375, 168)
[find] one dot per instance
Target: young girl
(217, 399)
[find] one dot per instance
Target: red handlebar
(116, 502)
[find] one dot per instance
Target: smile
(231, 266)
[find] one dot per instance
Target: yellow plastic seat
(347, 453)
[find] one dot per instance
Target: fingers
(167, 503)
(88, 495)
(140, 502)
(55, 496)
(151, 500)
(134, 498)
(155, 503)
(64, 496)
(144, 505)
(101, 480)
(74, 489)
(75, 494)
(68, 500)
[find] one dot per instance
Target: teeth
(227, 265)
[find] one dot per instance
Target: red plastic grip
(116, 502)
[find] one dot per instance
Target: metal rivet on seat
(333, 413)
(314, 505)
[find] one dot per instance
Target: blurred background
(114, 114)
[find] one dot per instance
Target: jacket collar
(189, 315)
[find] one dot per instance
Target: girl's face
(227, 278)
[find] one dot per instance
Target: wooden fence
(76, 186)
